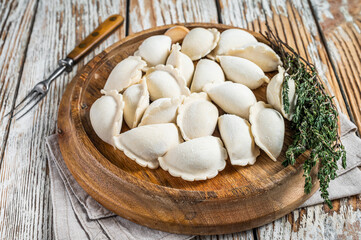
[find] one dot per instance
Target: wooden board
(239, 198)
(27, 55)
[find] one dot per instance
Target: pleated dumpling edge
(268, 129)
(199, 42)
(165, 81)
(145, 144)
(110, 106)
(205, 158)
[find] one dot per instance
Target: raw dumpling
(125, 74)
(165, 82)
(146, 143)
(207, 71)
(238, 139)
(259, 53)
(199, 42)
(136, 100)
(181, 62)
(198, 159)
(155, 49)
(268, 129)
(275, 90)
(232, 39)
(162, 110)
(234, 98)
(197, 116)
(106, 115)
(243, 71)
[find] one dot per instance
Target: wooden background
(34, 34)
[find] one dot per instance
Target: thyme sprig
(315, 119)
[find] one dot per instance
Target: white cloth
(78, 216)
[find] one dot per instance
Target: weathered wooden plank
(341, 23)
(147, 14)
(24, 190)
(248, 235)
(15, 28)
(294, 23)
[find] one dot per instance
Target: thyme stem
(315, 119)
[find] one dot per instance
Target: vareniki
(197, 159)
(275, 90)
(165, 82)
(199, 42)
(179, 87)
(237, 136)
(268, 129)
(197, 116)
(106, 115)
(125, 74)
(146, 143)
(234, 98)
(232, 39)
(155, 50)
(241, 70)
(162, 110)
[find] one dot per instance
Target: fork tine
(31, 93)
(37, 101)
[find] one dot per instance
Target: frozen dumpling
(207, 71)
(199, 42)
(106, 115)
(162, 110)
(232, 39)
(165, 82)
(197, 116)
(181, 62)
(146, 143)
(243, 71)
(125, 74)
(238, 139)
(260, 54)
(233, 98)
(155, 50)
(198, 159)
(268, 129)
(136, 100)
(275, 93)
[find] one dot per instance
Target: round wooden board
(237, 199)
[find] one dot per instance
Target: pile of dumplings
(172, 96)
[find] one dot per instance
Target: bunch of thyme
(315, 119)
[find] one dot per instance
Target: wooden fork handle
(99, 34)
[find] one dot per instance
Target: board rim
(74, 91)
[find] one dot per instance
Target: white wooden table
(35, 34)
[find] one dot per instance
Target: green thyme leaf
(314, 121)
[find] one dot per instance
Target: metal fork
(65, 65)
(41, 89)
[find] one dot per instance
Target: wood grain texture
(15, 27)
(147, 14)
(58, 27)
(341, 24)
(152, 197)
(96, 36)
(293, 21)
